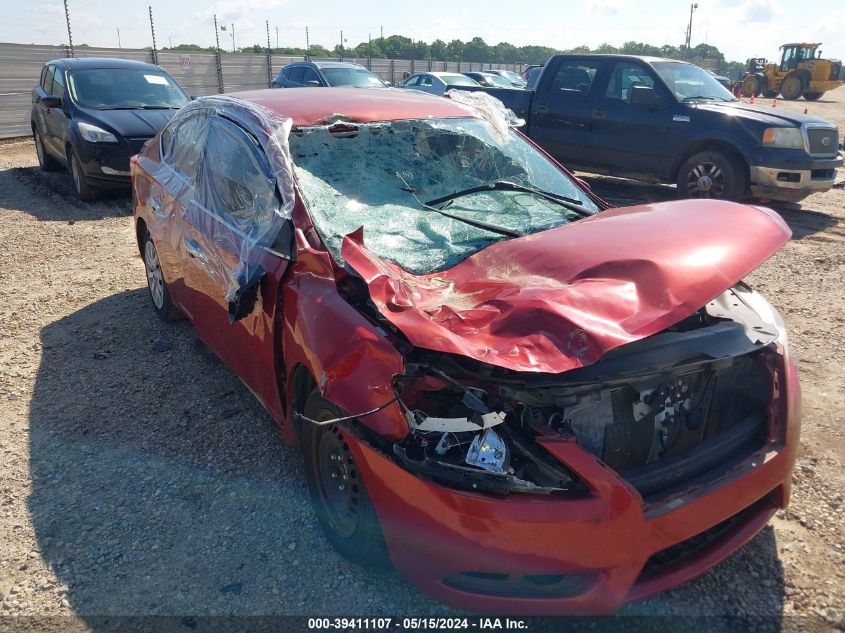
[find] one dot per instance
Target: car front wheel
(340, 498)
(711, 174)
(84, 190)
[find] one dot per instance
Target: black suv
(326, 75)
(90, 115)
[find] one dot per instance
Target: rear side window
(574, 79)
(236, 183)
(296, 74)
(413, 81)
(182, 141)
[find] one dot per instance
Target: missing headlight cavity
(674, 408)
(460, 436)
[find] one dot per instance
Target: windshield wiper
(506, 185)
(487, 226)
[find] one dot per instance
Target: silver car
(437, 83)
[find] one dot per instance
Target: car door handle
(598, 113)
(194, 249)
(542, 108)
(155, 205)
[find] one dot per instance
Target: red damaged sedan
(528, 402)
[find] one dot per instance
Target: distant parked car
(514, 78)
(528, 69)
(721, 79)
(437, 83)
(489, 80)
(90, 115)
(326, 75)
(532, 76)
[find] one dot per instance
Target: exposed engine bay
(660, 412)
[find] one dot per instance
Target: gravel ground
(140, 477)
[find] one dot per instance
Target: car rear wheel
(343, 507)
(711, 174)
(791, 88)
(813, 96)
(45, 161)
(159, 293)
(84, 190)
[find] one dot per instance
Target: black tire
(792, 88)
(751, 86)
(712, 174)
(770, 94)
(156, 284)
(813, 96)
(84, 190)
(45, 161)
(343, 507)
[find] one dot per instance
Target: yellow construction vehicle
(800, 72)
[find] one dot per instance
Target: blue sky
(740, 28)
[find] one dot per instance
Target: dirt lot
(139, 476)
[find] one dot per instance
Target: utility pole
(233, 37)
(692, 8)
(269, 58)
(277, 39)
(69, 36)
(217, 55)
(382, 32)
(341, 44)
(369, 51)
(118, 38)
(153, 31)
(307, 46)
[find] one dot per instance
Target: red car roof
(311, 106)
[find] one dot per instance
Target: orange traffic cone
(751, 100)
(774, 103)
(805, 110)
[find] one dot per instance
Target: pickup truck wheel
(813, 96)
(792, 87)
(343, 507)
(711, 174)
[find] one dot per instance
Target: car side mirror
(313, 83)
(51, 102)
(644, 96)
(243, 303)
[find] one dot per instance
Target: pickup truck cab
(662, 120)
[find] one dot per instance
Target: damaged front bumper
(552, 555)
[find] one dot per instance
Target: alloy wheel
(155, 280)
(706, 180)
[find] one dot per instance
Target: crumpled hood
(560, 299)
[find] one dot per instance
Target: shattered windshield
(381, 176)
